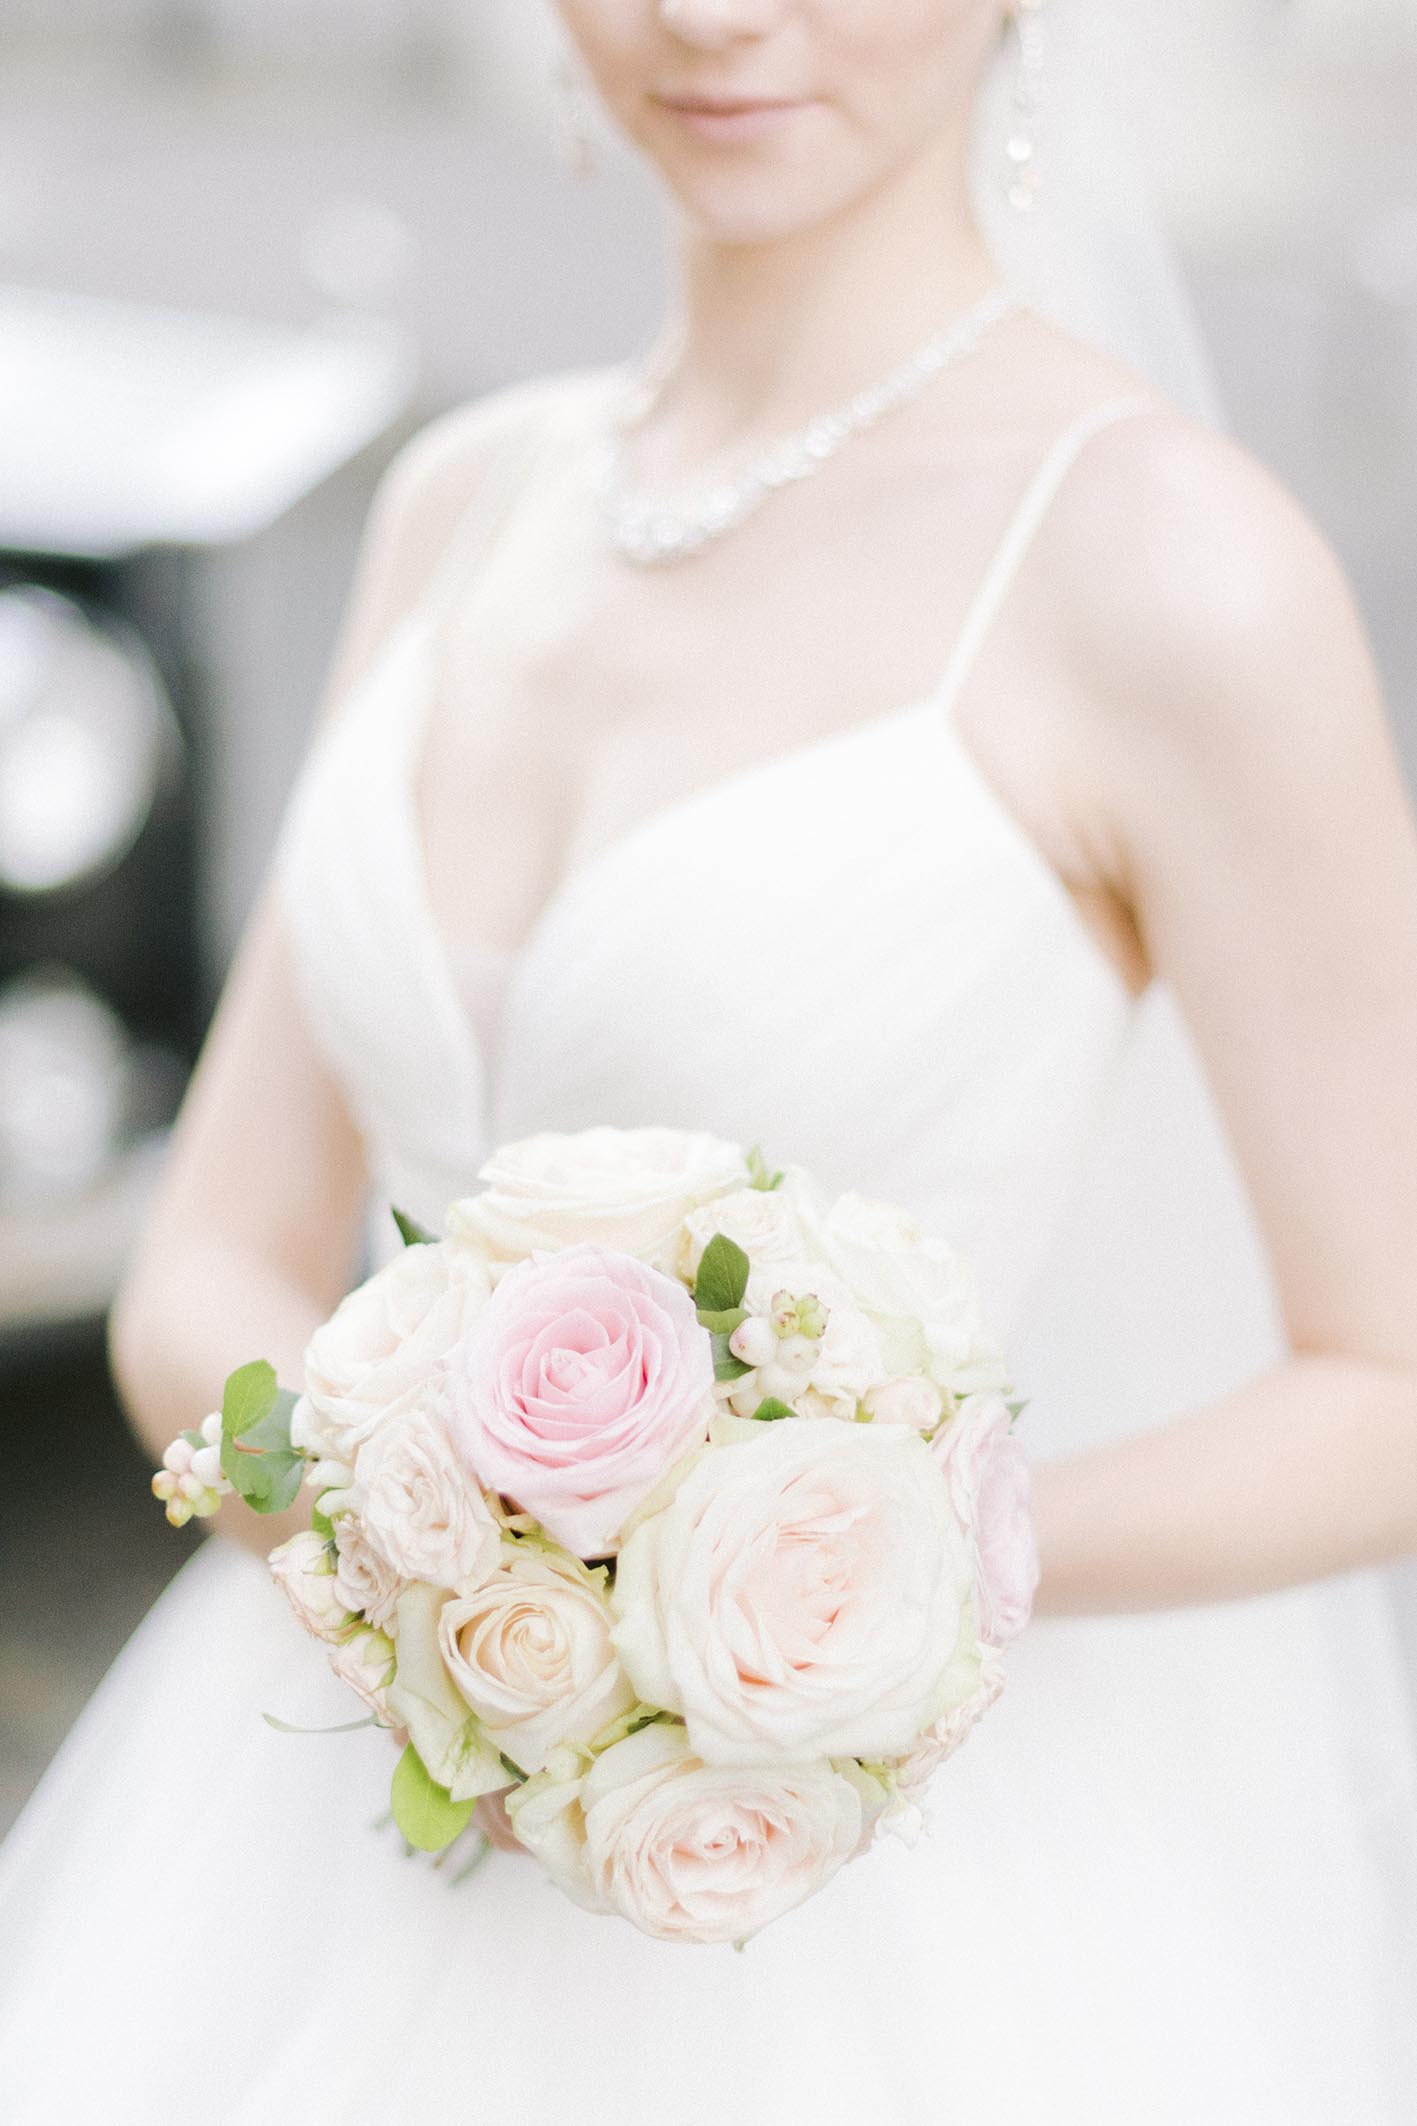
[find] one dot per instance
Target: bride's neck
(776, 332)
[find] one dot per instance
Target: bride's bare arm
(253, 1234)
(1239, 763)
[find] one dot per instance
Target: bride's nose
(715, 24)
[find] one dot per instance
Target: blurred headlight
(86, 737)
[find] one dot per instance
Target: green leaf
(414, 1234)
(256, 1454)
(758, 1175)
(271, 1433)
(425, 1812)
(770, 1409)
(725, 1365)
(723, 1276)
(725, 1320)
(1015, 1407)
(248, 1394)
(322, 1524)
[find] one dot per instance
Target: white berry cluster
(190, 1481)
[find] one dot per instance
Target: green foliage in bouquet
(413, 1234)
(718, 1296)
(256, 1455)
(759, 1176)
(425, 1812)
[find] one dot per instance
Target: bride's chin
(762, 206)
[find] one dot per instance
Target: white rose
(546, 1817)
(530, 1651)
(364, 1578)
(304, 1571)
(761, 1221)
(688, 1851)
(911, 1282)
(386, 1339)
(629, 1189)
(800, 1596)
(421, 1698)
(419, 1507)
(365, 1661)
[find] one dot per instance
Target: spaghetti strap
(1018, 537)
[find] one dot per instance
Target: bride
(874, 815)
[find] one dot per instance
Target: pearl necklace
(649, 528)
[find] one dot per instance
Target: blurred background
(246, 248)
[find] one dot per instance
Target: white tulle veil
(1092, 252)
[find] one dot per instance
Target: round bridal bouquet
(667, 1513)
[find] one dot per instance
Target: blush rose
(684, 1850)
(585, 1377)
(801, 1595)
(989, 1483)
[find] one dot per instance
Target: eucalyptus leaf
(724, 1320)
(248, 1394)
(725, 1365)
(425, 1812)
(723, 1276)
(414, 1234)
(758, 1175)
(269, 1482)
(256, 1454)
(271, 1433)
(771, 1408)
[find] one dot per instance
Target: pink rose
(587, 1374)
(990, 1486)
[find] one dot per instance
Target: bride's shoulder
(1188, 571)
(436, 473)
(434, 477)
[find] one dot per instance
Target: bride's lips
(730, 119)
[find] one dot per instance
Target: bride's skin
(1180, 705)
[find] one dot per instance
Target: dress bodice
(893, 986)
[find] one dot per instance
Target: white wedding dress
(1170, 1879)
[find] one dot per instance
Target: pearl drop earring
(1021, 176)
(574, 140)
